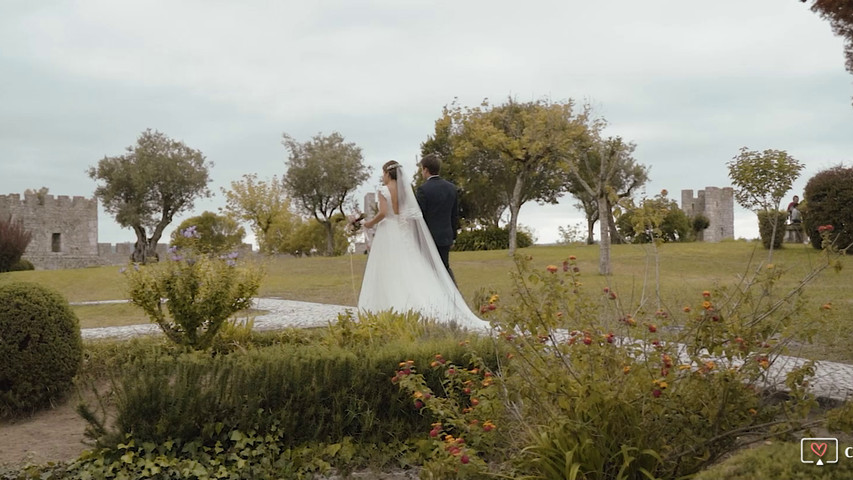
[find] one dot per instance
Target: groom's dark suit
(438, 202)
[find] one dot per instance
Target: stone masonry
(717, 204)
(65, 231)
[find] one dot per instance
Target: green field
(685, 270)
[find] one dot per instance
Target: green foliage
(208, 233)
(623, 395)
(311, 393)
(657, 218)
(571, 235)
(146, 187)
(22, 265)
(699, 223)
(322, 175)
(40, 346)
(14, 240)
(765, 228)
(761, 179)
(190, 296)
(774, 461)
(490, 238)
(829, 195)
(502, 156)
(265, 206)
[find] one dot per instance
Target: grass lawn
(685, 270)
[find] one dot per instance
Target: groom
(437, 199)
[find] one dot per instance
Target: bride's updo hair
(391, 167)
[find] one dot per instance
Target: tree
(14, 239)
(147, 186)
(655, 219)
(209, 233)
(628, 175)
(507, 155)
(599, 167)
(265, 207)
(761, 180)
(480, 204)
(321, 176)
(840, 16)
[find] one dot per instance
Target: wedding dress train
(404, 271)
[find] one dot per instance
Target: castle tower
(717, 204)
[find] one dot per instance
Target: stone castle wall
(717, 204)
(63, 228)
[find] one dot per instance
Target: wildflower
(464, 459)
(827, 306)
(706, 305)
(626, 369)
(551, 268)
(706, 294)
(488, 426)
(572, 257)
(494, 298)
(686, 309)
(656, 393)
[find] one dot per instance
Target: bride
(404, 271)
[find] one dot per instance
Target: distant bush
(829, 195)
(209, 233)
(490, 238)
(765, 228)
(14, 240)
(40, 347)
(21, 265)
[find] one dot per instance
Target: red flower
(464, 459)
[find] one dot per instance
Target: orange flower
(551, 268)
(706, 294)
(706, 305)
(686, 309)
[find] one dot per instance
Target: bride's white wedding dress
(404, 271)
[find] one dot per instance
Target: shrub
(765, 228)
(190, 296)
(21, 265)
(779, 460)
(593, 391)
(40, 345)
(490, 238)
(311, 393)
(14, 240)
(829, 195)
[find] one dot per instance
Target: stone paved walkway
(832, 380)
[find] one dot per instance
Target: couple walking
(408, 266)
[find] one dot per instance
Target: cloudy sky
(688, 82)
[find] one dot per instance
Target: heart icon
(819, 449)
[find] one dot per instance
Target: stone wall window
(56, 243)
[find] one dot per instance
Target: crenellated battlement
(34, 200)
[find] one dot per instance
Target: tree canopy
(506, 155)
(146, 187)
(322, 175)
(265, 207)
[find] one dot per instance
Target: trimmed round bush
(765, 228)
(40, 345)
(829, 195)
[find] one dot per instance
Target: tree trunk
(140, 249)
(590, 226)
(604, 245)
(514, 208)
(330, 238)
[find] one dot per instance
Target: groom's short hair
(432, 162)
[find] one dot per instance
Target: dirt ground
(50, 435)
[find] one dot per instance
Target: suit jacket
(438, 202)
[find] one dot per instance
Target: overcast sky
(688, 82)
